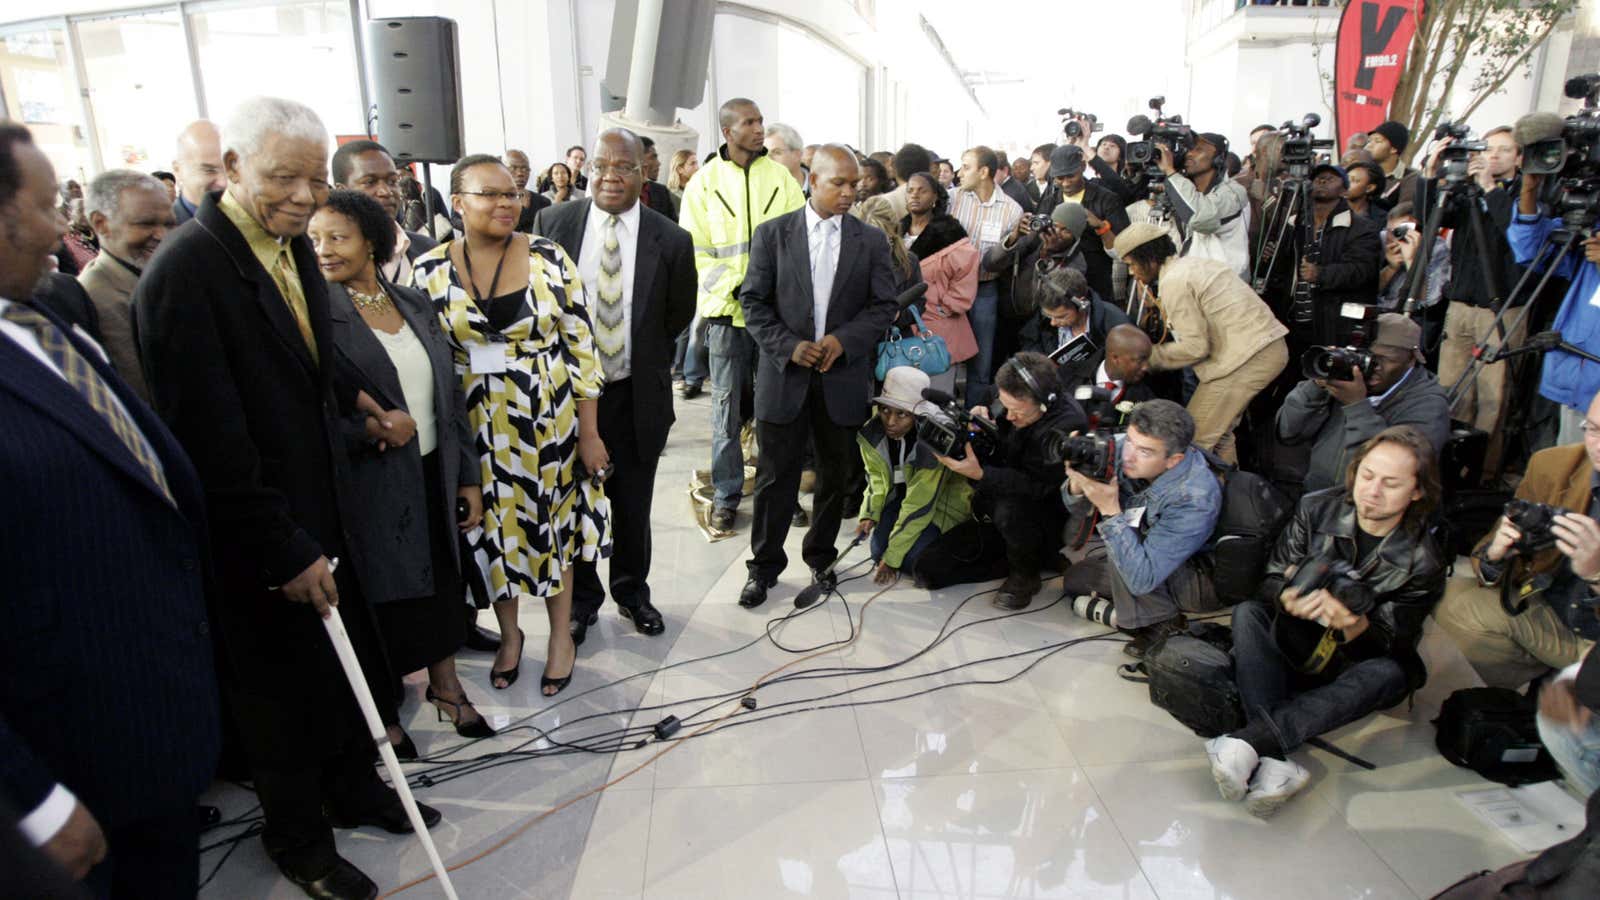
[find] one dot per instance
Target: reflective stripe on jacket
(722, 205)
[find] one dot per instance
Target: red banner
(1374, 38)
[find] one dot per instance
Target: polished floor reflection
(1008, 760)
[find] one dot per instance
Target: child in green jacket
(911, 499)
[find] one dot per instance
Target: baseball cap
(1400, 332)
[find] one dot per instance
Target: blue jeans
(689, 354)
(1283, 707)
(984, 315)
(733, 372)
(881, 532)
(1577, 754)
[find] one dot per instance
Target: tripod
(1288, 220)
(1462, 193)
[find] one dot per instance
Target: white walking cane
(380, 736)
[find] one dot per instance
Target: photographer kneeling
(1158, 511)
(1017, 512)
(1349, 396)
(1334, 634)
(1558, 563)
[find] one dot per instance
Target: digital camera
(1093, 455)
(1338, 363)
(1534, 520)
(1336, 576)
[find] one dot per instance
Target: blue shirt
(1566, 379)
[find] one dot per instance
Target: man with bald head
(532, 201)
(198, 167)
(818, 293)
(637, 268)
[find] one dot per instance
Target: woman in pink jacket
(949, 266)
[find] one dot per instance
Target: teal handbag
(927, 351)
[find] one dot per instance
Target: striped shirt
(986, 223)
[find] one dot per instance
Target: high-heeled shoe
(560, 684)
(510, 675)
(477, 729)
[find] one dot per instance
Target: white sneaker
(1274, 783)
(1232, 761)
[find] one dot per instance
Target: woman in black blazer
(413, 470)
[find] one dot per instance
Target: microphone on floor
(816, 590)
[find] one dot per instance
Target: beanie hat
(1395, 134)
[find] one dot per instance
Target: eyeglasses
(1589, 429)
(621, 170)
(497, 196)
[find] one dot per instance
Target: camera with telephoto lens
(1338, 363)
(1092, 455)
(1454, 158)
(1095, 608)
(1299, 147)
(1144, 162)
(1534, 521)
(1574, 157)
(1072, 128)
(948, 429)
(1338, 578)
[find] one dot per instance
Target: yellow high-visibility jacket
(722, 205)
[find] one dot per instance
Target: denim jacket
(1180, 510)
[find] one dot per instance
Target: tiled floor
(958, 774)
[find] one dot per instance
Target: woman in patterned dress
(513, 312)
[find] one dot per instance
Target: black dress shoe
(800, 520)
(479, 639)
(1146, 637)
(579, 628)
(755, 592)
(644, 617)
(392, 818)
(343, 882)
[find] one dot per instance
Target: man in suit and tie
(817, 297)
(109, 725)
(198, 165)
(236, 340)
(638, 271)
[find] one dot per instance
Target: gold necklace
(377, 302)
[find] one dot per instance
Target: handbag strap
(917, 317)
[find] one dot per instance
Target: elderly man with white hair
(130, 213)
(785, 147)
(236, 339)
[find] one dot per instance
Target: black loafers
(644, 616)
(391, 818)
(343, 882)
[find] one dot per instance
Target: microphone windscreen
(934, 395)
(1311, 120)
(1139, 125)
(1537, 126)
(911, 295)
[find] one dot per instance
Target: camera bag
(1492, 732)
(1192, 679)
(1253, 513)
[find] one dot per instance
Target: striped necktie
(609, 335)
(82, 376)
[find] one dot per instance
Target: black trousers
(631, 490)
(297, 835)
(778, 484)
(157, 858)
(1021, 534)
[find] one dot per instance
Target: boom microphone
(1537, 126)
(912, 295)
(934, 395)
(1139, 125)
(1582, 87)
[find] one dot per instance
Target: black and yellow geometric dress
(541, 512)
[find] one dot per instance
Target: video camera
(1573, 156)
(1143, 160)
(1072, 128)
(948, 429)
(1338, 363)
(1454, 157)
(1299, 147)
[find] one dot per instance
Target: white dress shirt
(822, 239)
(1103, 378)
(594, 245)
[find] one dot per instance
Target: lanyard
(466, 255)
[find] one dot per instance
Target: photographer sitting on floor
(910, 498)
(1156, 514)
(1559, 622)
(1333, 636)
(1339, 414)
(1017, 511)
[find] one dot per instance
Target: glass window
(41, 93)
(303, 51)
(140, 88)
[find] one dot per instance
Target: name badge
(1135, 516)
(487, 359)
(990, 232)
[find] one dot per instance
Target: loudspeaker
(416, 88)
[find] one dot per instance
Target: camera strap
(1525, 591)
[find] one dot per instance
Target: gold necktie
(289, 285)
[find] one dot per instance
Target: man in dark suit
(818, 295)
(366, 166)
(234, 333)
(109, 727)
(638, 271)
(198, 166)
(654, 194)
(532, 201)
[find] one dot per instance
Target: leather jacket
(1406, 574)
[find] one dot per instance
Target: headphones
(1027, 378)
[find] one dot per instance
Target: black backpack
(1492, 732)
(1253, 513)
(1192, 679)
